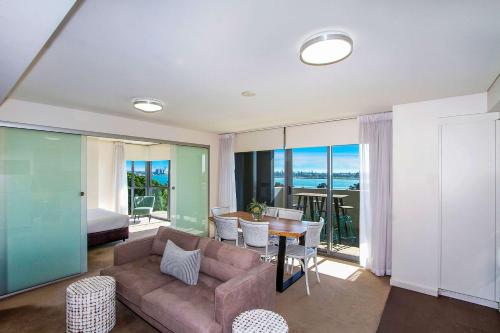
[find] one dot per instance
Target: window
(321, 181)
(309, 167)
(149, 178)
(345, 167)
(279, 168)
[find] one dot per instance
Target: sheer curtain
(375, 139)
(227, 184)
(120, 191)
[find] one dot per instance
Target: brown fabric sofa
(231, 280)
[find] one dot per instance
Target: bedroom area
(63, 192)
(128, 188)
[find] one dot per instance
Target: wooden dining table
(283, 228)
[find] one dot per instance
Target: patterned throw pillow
(184, 265)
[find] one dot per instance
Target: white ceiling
(23, 33)
(198, 56)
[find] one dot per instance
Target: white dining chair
(226, 229)
(217, 211)
(271, 211)
(256, 237)
(291, 214)
(310, 250)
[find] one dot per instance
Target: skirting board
(414, 287)
(470, 299)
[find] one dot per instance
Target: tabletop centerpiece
(257, 209)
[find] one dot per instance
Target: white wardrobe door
(468, 208)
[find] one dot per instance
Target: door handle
(289, 190)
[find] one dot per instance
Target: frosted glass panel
(40, 208)
(191, 189)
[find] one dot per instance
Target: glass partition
(41, 234)
(190, 189)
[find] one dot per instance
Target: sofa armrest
(254, 289)
(132, 250)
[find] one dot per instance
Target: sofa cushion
(182, 239)
(184, 265)
(183, 308)
(137, 278)
(224, 261)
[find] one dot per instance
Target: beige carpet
(348, 299)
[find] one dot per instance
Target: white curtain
(227, 184)
(120, 191)
(375, 139)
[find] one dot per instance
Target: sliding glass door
(280, 189)
(321, 181)
(189, 189)
(42, 237)
(345, 201)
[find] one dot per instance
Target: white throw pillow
(184, 265)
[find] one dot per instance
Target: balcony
(345, 243)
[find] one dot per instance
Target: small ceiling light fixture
(148, 105)
(248, 93)
(326, 48)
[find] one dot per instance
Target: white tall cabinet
(470, 232)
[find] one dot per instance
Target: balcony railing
(345, 232)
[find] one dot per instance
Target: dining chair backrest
(227, 227)
(291, 214)
(313, 233)
(271, 211)
(216, 211)
(255, 233)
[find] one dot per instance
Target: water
(162, 179)
(338, 183)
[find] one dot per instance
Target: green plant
(257, 209)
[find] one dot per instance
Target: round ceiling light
(147, 104)
(326, 48)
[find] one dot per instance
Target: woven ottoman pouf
(91, 305)
(259, 321)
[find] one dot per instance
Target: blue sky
(345, 159)
(141, 165)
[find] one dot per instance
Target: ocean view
(338, 183)
(161, 178)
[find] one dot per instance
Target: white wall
(92, 173)
(415, 237)
(105, 180)
(99, 174)
(48, 115)
(25, 28)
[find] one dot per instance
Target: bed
(104, 226)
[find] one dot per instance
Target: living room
(322, 166)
